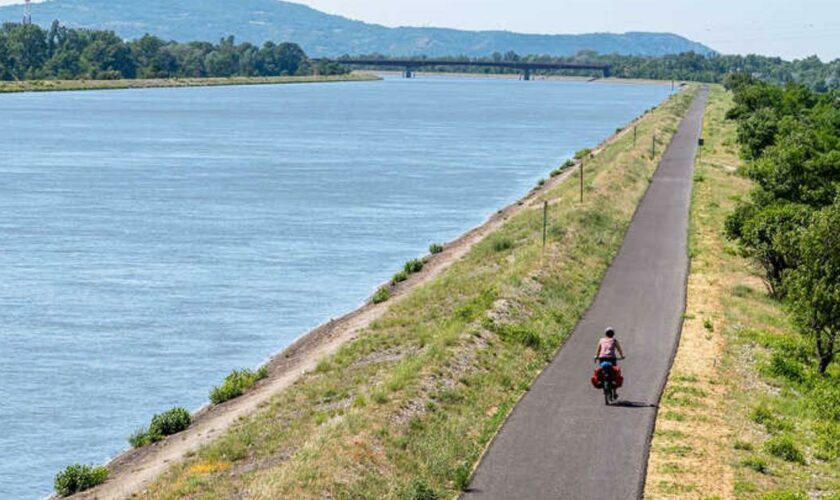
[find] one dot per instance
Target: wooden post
(635, 134)
(581, 179)
(653, 147)
(545, 224)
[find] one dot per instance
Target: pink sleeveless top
(606, 348)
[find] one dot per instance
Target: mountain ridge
(323, 35)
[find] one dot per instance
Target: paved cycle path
(561, 441)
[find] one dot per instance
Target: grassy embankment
(744, 414)
(66, 85)
(406, 410)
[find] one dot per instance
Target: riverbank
(81, 85)
(736, 419)
(514, 76)
(408, 388)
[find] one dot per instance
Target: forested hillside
(321, 34)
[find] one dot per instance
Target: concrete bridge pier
(527, 74)
(409, 72)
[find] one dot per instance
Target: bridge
(410, 66)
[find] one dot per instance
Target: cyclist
(608, 351)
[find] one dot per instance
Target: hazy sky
(788, 28)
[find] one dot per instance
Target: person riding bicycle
(605, 354)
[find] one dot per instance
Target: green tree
(770, 238)
(757, 132)
(280, 60)
(108, 57)
(27, 51)
(813, 287)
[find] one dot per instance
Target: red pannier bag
(598, 383)
(596, 379)
(619, 378)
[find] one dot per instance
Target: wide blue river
(153, 240)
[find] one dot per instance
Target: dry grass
(693, 410)
(725, 406)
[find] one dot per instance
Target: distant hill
(323, 34)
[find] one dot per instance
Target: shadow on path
(634, 404)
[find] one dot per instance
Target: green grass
(406, 409)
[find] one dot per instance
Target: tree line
(29, 52)
(790, 224)
(687, 66)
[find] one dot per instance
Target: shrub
(170, 422)
(461, 477)
(541, 183)
(236, 384)
(825, 399)
(76, 478)
(167, 423)
(828, 440)
(569, 163)
(381, 295)
(556, 172)
(743, 445)
(783, 366)
(755, 463)
(413, 266)
(783, 447)
(583, 153)
(762, 415)
(502, 244)
(435, 248)
(141, 438)
(419, 490)
(399, 277)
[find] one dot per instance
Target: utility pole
(27, 13)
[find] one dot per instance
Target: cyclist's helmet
(609, 332)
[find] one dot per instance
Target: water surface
(152, 240)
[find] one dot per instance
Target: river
(152, 240)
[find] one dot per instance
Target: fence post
(582, 161)
(545, 224)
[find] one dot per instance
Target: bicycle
(607, 376)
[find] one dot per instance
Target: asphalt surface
(561, 441)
